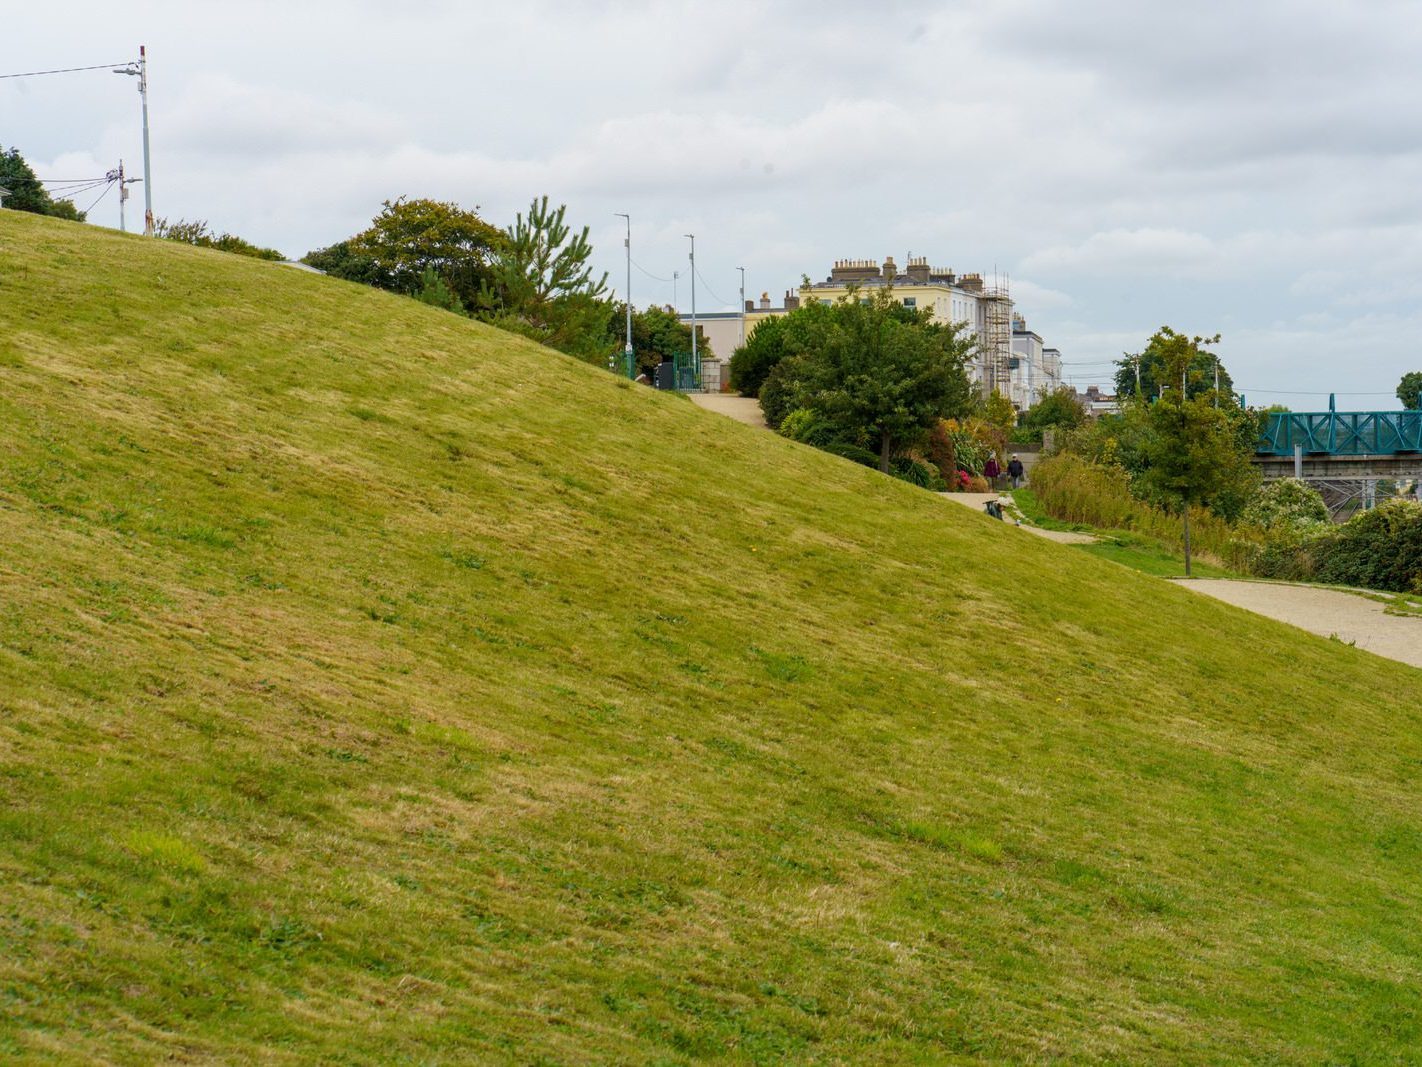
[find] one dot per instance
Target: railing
(1342, 433)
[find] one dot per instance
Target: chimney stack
(764, 301)
(890, 271)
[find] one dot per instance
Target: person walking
(992, 472)
(1015, 470)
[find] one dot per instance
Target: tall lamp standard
(743, 305)
(139, 70)
(692, 238)
(627, 243)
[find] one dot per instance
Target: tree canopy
(27, 192)
(1061, 407)
(1409, 390)
(409, 237)
(881, 378)
(539, 283)
(1194, 452)
(658, 334)
(1157, 374)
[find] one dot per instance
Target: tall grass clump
(1071, 488)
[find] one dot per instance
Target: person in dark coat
(1015, 470)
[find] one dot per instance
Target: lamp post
(139, 70)
(692, 238)
(743, 305)
(627, 243)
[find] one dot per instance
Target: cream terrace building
(985, 310)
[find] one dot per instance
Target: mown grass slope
(378, 687)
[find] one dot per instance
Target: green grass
(1134, 550)
(1149, 556)
(377, 687)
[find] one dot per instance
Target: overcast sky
(1252, 169)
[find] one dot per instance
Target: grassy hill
(379, 687)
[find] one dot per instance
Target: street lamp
(692, 238)
(139, 70)
(627, 243)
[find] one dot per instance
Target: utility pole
(139, 70)
(743, 305)
(1137, 361)
(123, 184)
(627, 352)
(676, 304)
(692, 238)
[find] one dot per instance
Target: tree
(998, 411)
(409, 237)
(436, 293)
(540, 283)
(1154, 373)
(200, 234)
(658, 334)
(1061, 407)
(1409, 390)
(879, 376)
(27, 192)
(339, 261)
(753, 361)
(1193, 453)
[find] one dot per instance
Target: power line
(108, 187)
(709, 289)
(66, 70)
(649, 274)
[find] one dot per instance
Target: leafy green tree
(26, 191)
(1409, 390)
(1156, 376)
(409, 237)
(541, 284)
(1194, 454)
(753, 361)
(200, 234)
(658, 334)
(435, 292)
(1061, 407)
(339, 261)
(882, 377)
(998, 411)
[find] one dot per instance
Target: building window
(910, 301)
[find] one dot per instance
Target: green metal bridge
(1344, 454)
(1342, 433)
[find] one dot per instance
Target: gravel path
(1327, 612)
(741, 408)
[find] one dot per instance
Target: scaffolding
(995, 338)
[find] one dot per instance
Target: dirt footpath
(741, 408)
(978, 501)
(1326, 612)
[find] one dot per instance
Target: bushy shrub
(854, 453)
(978, 484)
(1379, 549)
(918, 473)
(807, 427)
(1286, 503)
(779, 393)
